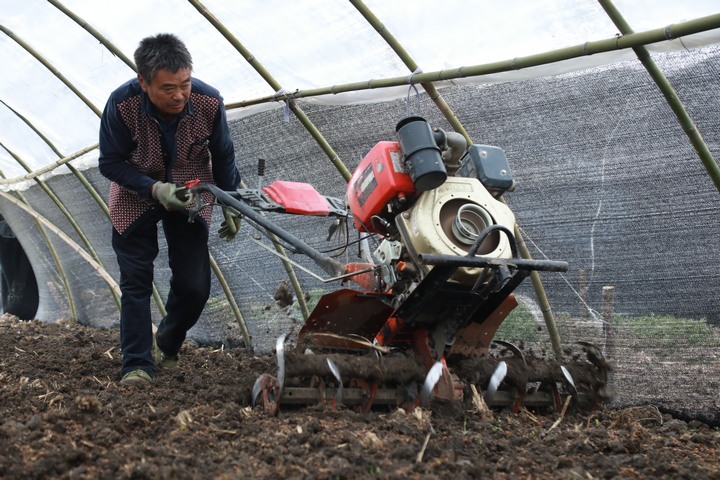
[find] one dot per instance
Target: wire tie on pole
(410, 77)
(286, 108)
(668, 33)
(417, 93)
(585, 48)
(279, 92)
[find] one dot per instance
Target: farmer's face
(168, 91)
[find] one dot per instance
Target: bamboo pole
(542, 299)
(233, 304)
(52, 69)
(47, 168)
(89, 28)
(688, 126)
(302, 303)
(589, 48)
(608, 315)
(413, 67)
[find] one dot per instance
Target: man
(158, 131)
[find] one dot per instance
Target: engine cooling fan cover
(448, 219)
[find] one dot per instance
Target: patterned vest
(192, 160)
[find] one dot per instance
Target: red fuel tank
(379, 187)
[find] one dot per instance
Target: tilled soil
(64, 415)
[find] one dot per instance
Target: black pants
(189, 262)
(18, 284)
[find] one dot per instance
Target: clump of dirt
(64, 415)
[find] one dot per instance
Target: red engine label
(379, 179)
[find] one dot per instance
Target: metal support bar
(517, 263)
(328, 264)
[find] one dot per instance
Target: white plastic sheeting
(308, 44)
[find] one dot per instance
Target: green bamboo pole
(302, 303)
(541, 297)
(233, 304)
(52, 69)
(413, 67)
(589, 48)
(104, 41)
(290, 271)
(691, 130)
(49, 167)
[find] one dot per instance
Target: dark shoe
(136, 377)
(163, 360)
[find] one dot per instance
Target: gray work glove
(231, 225)
(171, 196)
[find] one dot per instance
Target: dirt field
(65, 416)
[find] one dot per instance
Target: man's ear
(142, 83)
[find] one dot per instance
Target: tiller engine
(442, 264)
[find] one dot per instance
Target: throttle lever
(183, 193)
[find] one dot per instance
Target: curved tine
(257, 389)
(431, 379)
(336, 373)
(513, 348)
(594, 354)
(495, 380)
(569, 380)
(376, 344)
(589, 346)
(365, 340)
(280, 351)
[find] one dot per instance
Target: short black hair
(162, 51)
